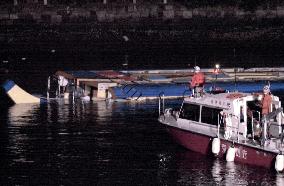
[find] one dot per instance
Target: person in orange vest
(197, 82)
(265, 109)
(266, 101)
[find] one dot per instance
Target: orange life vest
(198, 79)
(266, 103)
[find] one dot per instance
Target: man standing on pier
(197, 82)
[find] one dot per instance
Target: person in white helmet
(197, 82)
(265, 109)
(266, 101)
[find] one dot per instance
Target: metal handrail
(232, 127)
(238, 132)
(218, 129)
(161, 96)
(252, 125)
(252, 128)
(187, 90)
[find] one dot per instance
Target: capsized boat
(230, 126)
(19, 95)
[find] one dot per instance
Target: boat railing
(266, 121)
(218, 127)
(161, 102)
(183, 94)
(252, 122)
(230, 128)
(238, 127)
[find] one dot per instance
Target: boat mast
(235, 70)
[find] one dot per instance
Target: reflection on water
(196, 169)
(22, 114)
(106, 143)
(226, 173)
(279, 179)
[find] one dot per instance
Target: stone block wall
(111, 12)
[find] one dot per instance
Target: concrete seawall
(99, 12)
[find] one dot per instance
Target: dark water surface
(107, 143)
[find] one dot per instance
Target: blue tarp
(150, 90)
(83, 74)
(153, 90)
(251, 86)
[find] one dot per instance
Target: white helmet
(196, 68)
(266, 89)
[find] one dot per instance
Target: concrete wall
(112, 12)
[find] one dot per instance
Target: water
(107, 143)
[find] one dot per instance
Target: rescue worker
(197, 82)
(265, 109)
(266, 101)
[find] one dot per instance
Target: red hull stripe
(202, 144)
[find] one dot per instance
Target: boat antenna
(268, 84)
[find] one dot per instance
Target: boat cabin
(230, 114)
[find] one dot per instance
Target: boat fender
(231, 152)
(279, 163)
(216, 146)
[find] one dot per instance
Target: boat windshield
(190, 112)
(210, 115)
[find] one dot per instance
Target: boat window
(190, 112)
(210, 115)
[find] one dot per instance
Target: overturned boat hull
(18, 95)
